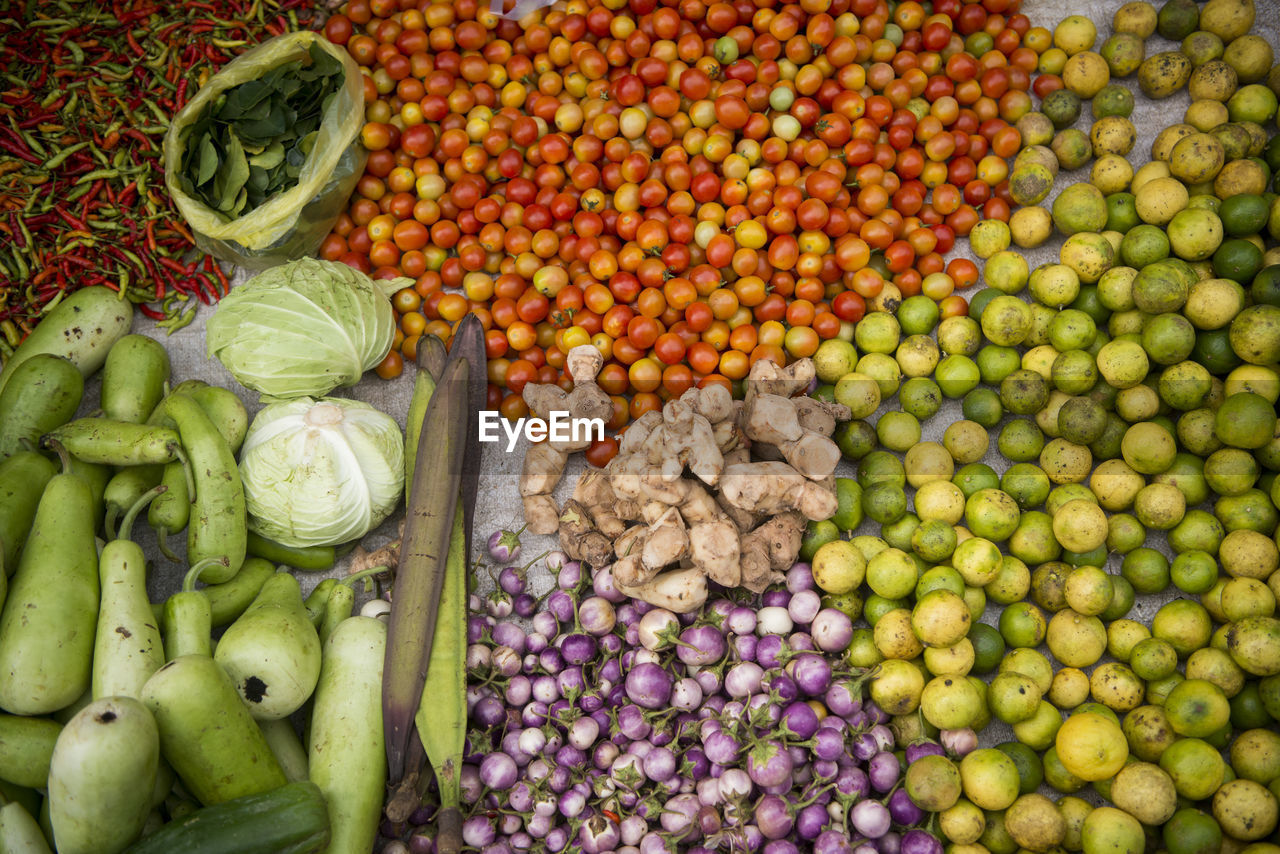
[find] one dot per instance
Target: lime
(1255, 335)
(1197, 708)
(817, 534)
(1246, 420)
(1027, 761)
(1244, 214)
(982, 405)
(848, 514)
(1237, 259)
(1194, 572)
(1195, 766)
(838, 567)
(1122, 212)
(855, 439)
(834, 358)
(1091, 747)
(918, 315)
(988, 647)
(1191, 831)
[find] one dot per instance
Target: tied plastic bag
(292, 223)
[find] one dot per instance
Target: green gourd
(128, 647)
(207, 734)
(50, 615)
(102, 776)
(272, 652)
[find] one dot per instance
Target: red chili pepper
(149, 311)
(18, 151)
(28, 124)
(173, 265)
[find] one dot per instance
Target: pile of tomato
(689, 186)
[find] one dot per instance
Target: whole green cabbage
(321, 472)
(302, 329)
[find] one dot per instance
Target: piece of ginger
(773, 487)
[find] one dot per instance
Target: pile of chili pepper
(89, 90)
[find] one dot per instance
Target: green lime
(979, 301)
(1237, 259)
(884, 502)
(1122, 598)
(1265, 289)
(1088, 302)
(1020, 440)
(1143, 245)
(849, 604)
(1122, 212)
(988, 647)
(1191, 831)
(939, 578)
(1244, 214)
(1027, 483)
(1027, 761)
(855, 439)
(1247, 709)
(1153, 658)
(1194, 572)
(881, 467)
(975, 477)
(1246, 420)
(920, 397)
(1213, 350)
(1168, 338)
(877, 606)
(1022, 625)
(918, 315)
(1057, 776)
(817, 534)
(996, 363)
(1146, 569)
(1255, 334)
(957, 374)
(982, 405)
(848, 514)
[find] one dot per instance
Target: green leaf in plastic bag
(208, 162)
(234, 172)
(271, 157)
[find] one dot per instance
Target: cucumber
(42, 395)
(291, 819)
(82, 328)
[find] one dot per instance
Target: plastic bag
(292, 224)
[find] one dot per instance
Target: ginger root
(579, 538)
(677, 590)
(775, 487)
(541, 471)
(707, 488)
